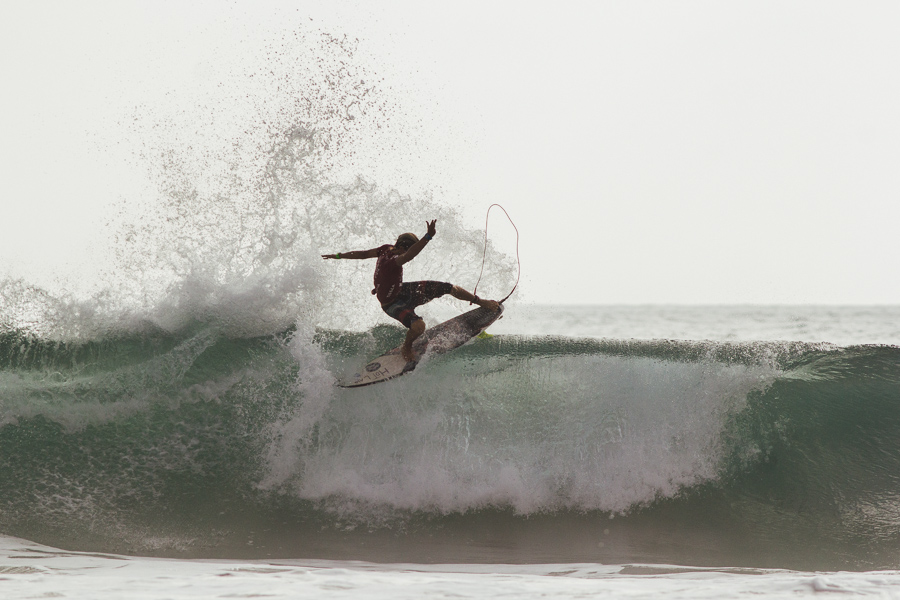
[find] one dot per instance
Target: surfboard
(436, 340)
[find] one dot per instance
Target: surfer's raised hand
(412, 251)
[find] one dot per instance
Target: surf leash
(484, 256)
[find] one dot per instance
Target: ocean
(682, 451)
(170, 425)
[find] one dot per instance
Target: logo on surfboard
(373, 366)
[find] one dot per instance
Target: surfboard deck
(441, 338)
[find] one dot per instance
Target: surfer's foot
(492, 305)
(407, 354)
(461, 294)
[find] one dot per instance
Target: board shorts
(413, 294)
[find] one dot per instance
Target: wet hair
(406, 240)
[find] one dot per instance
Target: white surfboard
(436, 340)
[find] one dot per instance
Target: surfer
(398, 299)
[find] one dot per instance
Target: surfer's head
(406, 240)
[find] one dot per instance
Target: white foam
(314, 388)
(29, 570)
(575, 432)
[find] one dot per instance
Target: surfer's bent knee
(417, 325)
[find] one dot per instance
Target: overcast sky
(649, 152)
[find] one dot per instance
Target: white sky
(649, 152)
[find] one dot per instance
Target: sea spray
(250, 177)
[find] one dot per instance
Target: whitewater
(169, 420)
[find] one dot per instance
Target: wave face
(515, 448)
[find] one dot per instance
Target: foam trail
(290, 437)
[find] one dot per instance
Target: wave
(180, 400)
(200, 438)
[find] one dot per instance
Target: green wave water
(513, 448)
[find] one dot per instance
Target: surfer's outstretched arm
(356, 254)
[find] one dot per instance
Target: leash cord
(484, 256)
